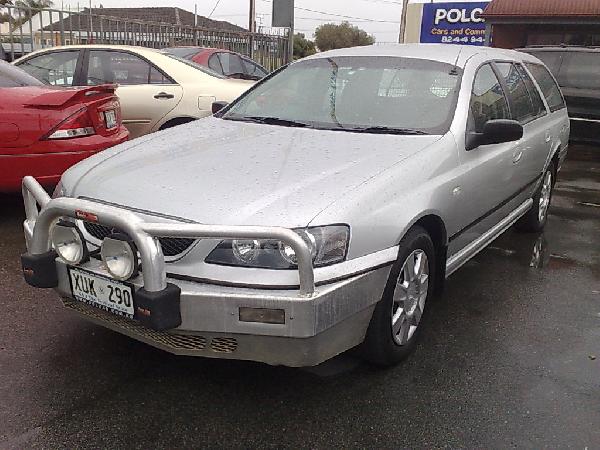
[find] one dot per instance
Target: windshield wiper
(270, 121)
(385, 130)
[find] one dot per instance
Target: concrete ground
(510, 358)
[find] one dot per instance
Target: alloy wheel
(545, 196)
(410, 296)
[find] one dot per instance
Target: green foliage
(303, 47)
(331, 36)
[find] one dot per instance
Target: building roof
(542, 8)
(170, 15)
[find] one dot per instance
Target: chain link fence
(23, 30)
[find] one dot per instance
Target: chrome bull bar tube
(193, 231)
(145, 234)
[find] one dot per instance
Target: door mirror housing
(495, 132)
(218, 106)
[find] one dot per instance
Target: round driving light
(246, 250)
(288, 253)
(68, 242)
(119, 255)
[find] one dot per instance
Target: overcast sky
(380, 18)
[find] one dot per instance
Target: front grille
(170, 246)
(175, 342)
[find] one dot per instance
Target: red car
(44, 130)
(224, 62)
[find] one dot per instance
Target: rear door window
(122, 68)
(548, 86)
(488, 101)
(521, 104)
(534, 94)
(581, 70)
(54, 68)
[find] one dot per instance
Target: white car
(156, 90)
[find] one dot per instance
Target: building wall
(509, 36)
(522, 35)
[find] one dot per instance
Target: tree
(330, 36)
(35, 5)
(303, 47)
(4, 15)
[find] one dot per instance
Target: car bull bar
(157, 302)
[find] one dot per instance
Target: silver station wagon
(320, 211)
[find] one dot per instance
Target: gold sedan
(156, 90)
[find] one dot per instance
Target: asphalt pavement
(510, 358)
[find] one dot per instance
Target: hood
(233, 173)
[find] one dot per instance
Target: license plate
(110, 295)
(110, 117)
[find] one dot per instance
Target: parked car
(577, 71)
(224, 62)
(298, 223)
(157, 91)
(45, 130)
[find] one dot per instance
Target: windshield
(11, 76)
(372, 94)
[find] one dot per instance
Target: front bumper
(321, 320)
(332, 320)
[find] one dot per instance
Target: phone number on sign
(463, 40)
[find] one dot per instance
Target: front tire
(397, 320)
(535, 219)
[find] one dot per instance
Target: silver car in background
(320, 211)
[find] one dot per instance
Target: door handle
(548, 137)
(164, 95)
(517, 157)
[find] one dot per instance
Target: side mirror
(495, 132)
(218, 106)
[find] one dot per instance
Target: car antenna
(454, 70)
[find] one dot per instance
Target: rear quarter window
(553, 60)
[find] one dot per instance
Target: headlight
(119, 255)
(328, 245)
(68, 242)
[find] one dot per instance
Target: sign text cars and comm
(453, 23)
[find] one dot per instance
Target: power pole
(291, 37)
(402, 36)
(252, 26)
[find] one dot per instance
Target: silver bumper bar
(144, 234)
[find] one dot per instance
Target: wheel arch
(554, 158)
(436, 228)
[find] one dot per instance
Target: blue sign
(453, 23)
